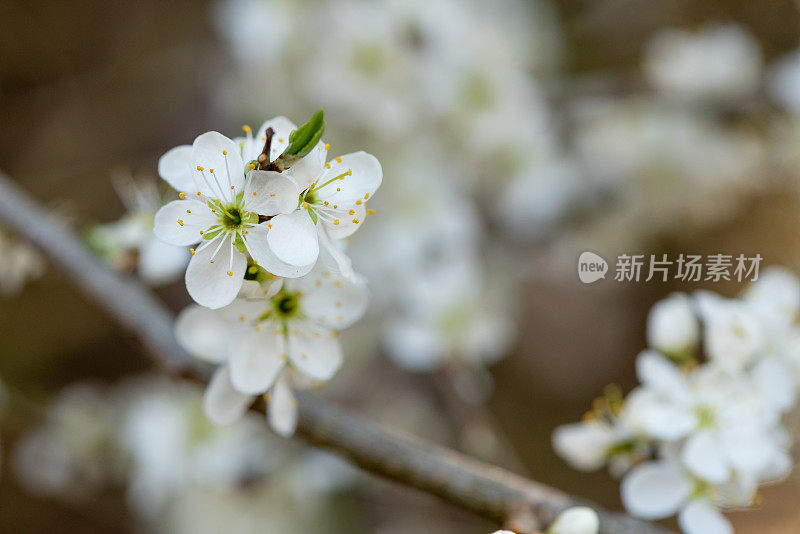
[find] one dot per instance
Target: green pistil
(287, 304)
(705, 417)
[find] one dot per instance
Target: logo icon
(591, 267)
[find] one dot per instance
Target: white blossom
(715, 427)
(717, 62)
(270, 343)
(130, 242)
(660, 489)
(575, 520)
(672, 325)
(19, 264)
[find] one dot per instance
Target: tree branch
(492, 492)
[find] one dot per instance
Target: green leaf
(306, 137)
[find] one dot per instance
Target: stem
(492, 492)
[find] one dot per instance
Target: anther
(230, 273)
(336, 221)
(180, 222)
(355, 221)
(327, 146)
(338, 159)
(182, 196)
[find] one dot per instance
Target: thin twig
(492, 492)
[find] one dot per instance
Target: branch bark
(513, 501)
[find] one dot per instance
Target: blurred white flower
(783, 80)
(657, 490)
(130, 242)
(575, 520)
(19, 264)
(585, 446)
(448, 313)
(72, 454)
(256, 30)
(171, 445)
(672, 326)
(732, 333)
(538, 195)
(715, 63)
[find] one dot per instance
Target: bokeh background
(513, 135)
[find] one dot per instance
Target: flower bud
(672, 326)
(577, 520)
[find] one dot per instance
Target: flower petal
(576, 520)
(160, 262)
(699, 517)
(282, 410)
(175, 167)
(583, 445)
(309, 168)
(255, 360)
(222, 403)
(270, 193)
(262, 253)
(221, 164)
(657, 372)
(412, 345)
(361, 184)
(332, 300)
(347, 222)
(181, 221)
(203, 333)
(655, 490)
(293, 238)
(703, 456)
(332, 256)
(207, 278)
(315, 352)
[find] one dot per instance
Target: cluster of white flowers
(706, 425)
(272, 284)
(149, 435)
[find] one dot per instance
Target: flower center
(231, 218)
(286, 304)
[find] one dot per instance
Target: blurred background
(513, 136)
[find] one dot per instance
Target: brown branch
(492, 492)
